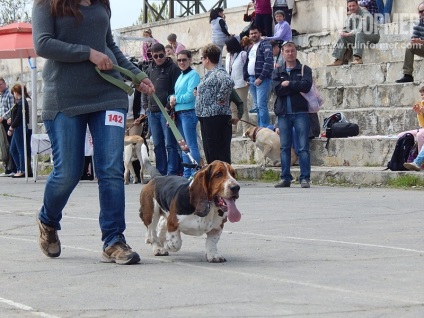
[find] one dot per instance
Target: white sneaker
(412, 166)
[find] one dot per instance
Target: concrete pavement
(318, 252)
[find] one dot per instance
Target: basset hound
(171, 205)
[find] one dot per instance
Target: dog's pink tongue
(233, 213)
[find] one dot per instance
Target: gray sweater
(71, 84)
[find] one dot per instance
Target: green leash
(129, 89)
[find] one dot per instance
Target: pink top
(263, 7)
(178, 47)
(144, 48)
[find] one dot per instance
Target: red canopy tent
(16, 43)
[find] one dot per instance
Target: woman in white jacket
(234, 63)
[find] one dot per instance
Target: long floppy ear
(199, 192)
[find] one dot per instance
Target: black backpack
(401, 153)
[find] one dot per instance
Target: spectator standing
(177, 46)
(147, 44)
(74, 37)
(263, 18)
(415, 47)
(287, 6)
(291, 108)
(385, 9)
(234, 65)
(359, 29)
(17, 149)
(277, 54)
(282, 30)
(213, 107)
(6, 103)
(257, 71)
(183, 102)
(164, 74)
(219, 29)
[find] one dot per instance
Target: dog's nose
(235, 188)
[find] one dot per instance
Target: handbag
(342, 130)
(313, 97)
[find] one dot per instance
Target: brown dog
(171, 205)
(132, 152)
(268, 142)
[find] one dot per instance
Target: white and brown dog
(171, 205)
(268, 142)
(132, 152)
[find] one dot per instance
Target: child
(419, 109)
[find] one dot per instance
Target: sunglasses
(158, 56)
(420, 11)
(182, 60)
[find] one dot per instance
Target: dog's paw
(160, 252)
(215, 258)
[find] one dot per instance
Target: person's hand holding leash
(146, 87)
(102, 61)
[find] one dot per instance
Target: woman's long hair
(233, 45)
(17, 88)
(61, 8)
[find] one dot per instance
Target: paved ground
(318, 252)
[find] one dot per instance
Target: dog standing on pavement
(268, 142)
(171, 205)
(132, 152)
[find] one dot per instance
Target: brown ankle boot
(337, 62)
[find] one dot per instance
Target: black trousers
(216, 135)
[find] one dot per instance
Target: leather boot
(337, 62)
(406, 79)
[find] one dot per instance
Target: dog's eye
(218, 174)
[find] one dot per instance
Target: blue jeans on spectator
(385, 9)
(260, 99)
(166, 146)
(17, 148)
(187, 123)
(300, 122)
(67, 137)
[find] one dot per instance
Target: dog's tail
(148, 168)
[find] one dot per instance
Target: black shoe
(406, 79)
(283, 184)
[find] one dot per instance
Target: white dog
(132, 152)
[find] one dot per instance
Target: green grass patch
(270, 175)
(406, 181)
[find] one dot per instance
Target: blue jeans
(260, 99)
(67, 137)
(17, 149)
(420, 158)
(166, 146)
(186, 123)
(300, 122)
(385, 9)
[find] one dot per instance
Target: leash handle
(135, 78)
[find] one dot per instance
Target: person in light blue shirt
(282, 30)
(183, 101)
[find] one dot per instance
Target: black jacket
(163, 78)
(298, 83)
(16, 114)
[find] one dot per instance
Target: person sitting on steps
(415, 47)
(359, 29)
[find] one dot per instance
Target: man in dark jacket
(257, 70)
(291, 109)
(163, 73)
(415, 47)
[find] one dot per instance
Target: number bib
(114, 118)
